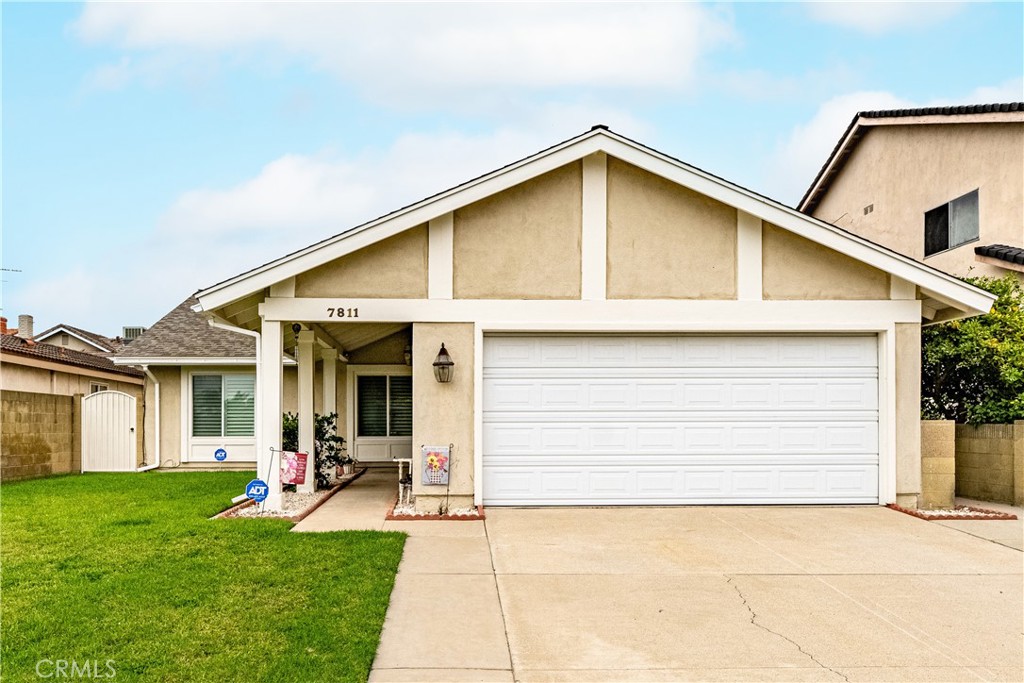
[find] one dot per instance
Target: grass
(128, 567)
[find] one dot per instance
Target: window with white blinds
(223, 405)
(384, 405)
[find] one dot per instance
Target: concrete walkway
(693, 593)
(1005, 532)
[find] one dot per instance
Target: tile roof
(108, 344)
(183, 333)
(844, 147)
(1002, 252)
(9, 343)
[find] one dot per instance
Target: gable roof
(10, 343)
(100, 342)
(183, 333)
(938, 285)
(863, 121)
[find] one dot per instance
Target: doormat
(964, 512)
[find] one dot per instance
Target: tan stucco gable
(796, 268)
(666, 241)
(393, 268)
(523, 243)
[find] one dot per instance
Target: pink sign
(293, 467)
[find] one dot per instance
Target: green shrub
(329, 447)
(972, 370)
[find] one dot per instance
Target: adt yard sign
(220, 455)
(257, 490)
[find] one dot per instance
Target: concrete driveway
(695, 593)
(719, 594)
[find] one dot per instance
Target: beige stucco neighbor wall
(938, 468)
(666, 241)
(990, 462)
(795, 268)
(444, 412)
(393, 268)
(908, 413)
(903, 171)
(523, 243)
(17, 374)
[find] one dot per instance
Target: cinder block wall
(938, 463)
(37, 435)
(990, 462)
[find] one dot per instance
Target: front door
(380, 412)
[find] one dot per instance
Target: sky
(153, 149)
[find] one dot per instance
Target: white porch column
(271, 354)
(307, 424)
(330, 399)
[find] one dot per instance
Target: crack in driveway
(753, 620)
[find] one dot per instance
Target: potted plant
(348, 464)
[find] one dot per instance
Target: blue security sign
(220, 455)
(257, 490)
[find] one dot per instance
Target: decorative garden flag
(436, 460)
(293, 467)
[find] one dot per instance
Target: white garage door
(653, 420)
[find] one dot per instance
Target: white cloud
(212, 233)
(880, 17)
(800, 155)
(397, 51)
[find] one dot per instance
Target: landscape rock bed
(295, 506)
(963, 512)
(407, 512)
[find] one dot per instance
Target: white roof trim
(60, 329)
(967, 298)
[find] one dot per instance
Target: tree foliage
(972, 370)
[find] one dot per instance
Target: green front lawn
(127, 567)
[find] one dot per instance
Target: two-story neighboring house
(943, 185)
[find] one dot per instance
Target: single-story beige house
(625, 329)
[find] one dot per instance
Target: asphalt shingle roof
(10, 343)
(106, 343)
(183, 333)
(1002, 252)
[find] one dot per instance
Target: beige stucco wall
(908, 413)
(17, 377)
(795, 268)
(65, 340)
(388, 351)
(170, 416)
(393, 268)
(938, 463)
(523, 243)
(443, 412)
(666, 241)
(905, 171)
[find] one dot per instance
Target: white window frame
(392, 444)
(187, 440)
(97, 387)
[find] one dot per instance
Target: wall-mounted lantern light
(443, 366)
(408, 354)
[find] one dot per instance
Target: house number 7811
(342, 312)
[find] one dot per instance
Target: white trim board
(612, 314)
(966, 298)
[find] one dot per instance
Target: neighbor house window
(384, 405)
(952, 224)
(223, 405)
(96, 387)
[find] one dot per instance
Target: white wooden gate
(108, 432)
